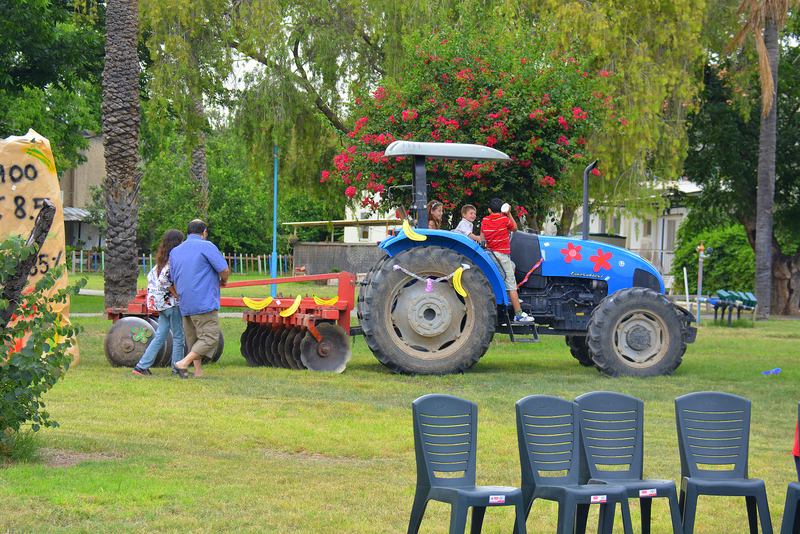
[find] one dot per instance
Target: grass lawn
(271, 450)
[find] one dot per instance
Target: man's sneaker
(139, 371)
(522, 318)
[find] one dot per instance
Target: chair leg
(581, 516)
(605, 521)
(688, 510)
(417, 511)
(458, 517)
(566, 517)
(477, 519)
(519, 520)
(675, 513)
(752, 514)
(627, 525)
(763, 510)
(527, 502)
(791, 519)
(645, 505)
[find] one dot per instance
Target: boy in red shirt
(496, 230)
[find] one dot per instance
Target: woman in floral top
(161, 297)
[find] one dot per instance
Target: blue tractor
(433, 302)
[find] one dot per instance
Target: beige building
(76, 196)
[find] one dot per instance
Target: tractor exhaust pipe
(586, 172)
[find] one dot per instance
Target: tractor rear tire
(580, 350)
(636, 332)
(436, 332)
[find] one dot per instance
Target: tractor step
(518, 329)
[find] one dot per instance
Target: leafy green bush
(730, 265)
(28, 371)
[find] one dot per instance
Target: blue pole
(273, 267)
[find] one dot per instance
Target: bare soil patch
(56, 458)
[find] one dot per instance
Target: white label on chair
(598, 499)
(647, 493)
(497, 499)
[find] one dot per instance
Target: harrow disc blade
(256, 347)
(126, 341)
(244, 342)
(266, 348)
(288, 348)
(286, 356)
(296, 346)
(276, 341)
(330, 353)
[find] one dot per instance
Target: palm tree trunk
(199, 169)
(766, 180)
(121, 123)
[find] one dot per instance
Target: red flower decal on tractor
(571, 253)
(601, 260)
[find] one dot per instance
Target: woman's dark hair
(172, 238)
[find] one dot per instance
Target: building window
(648, 228)
(363, 231)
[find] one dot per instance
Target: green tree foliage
(518, 97)
(654, 49)
(51, 61)
(29, 371)
(725, 134)
(731, 264)
(240, 206)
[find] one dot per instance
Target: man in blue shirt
(198, 270)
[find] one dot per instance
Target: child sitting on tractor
(496, 229)
(468, 215)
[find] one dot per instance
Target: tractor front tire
(420, 328)
(636, 332)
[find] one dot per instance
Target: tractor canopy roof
(445, 151)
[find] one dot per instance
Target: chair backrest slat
(445, 435)
(713, 434)
(547, 432)
(612, 436)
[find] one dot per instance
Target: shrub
(33, 347)
(731, 264)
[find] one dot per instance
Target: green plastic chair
(612, 439)
(445, 441)
(549, 448)
(713, 441)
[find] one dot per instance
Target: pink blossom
(563, 141)
(409, 114)
(350, 192)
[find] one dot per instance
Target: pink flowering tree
(537, 107)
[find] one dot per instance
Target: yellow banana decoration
(322, 302)
(411, 234)
(257, 304)
(293, 308)
(457, 282)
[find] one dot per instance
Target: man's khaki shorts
(202, 332)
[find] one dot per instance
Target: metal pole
(586, 172)
(699, 286)
(273, 268)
